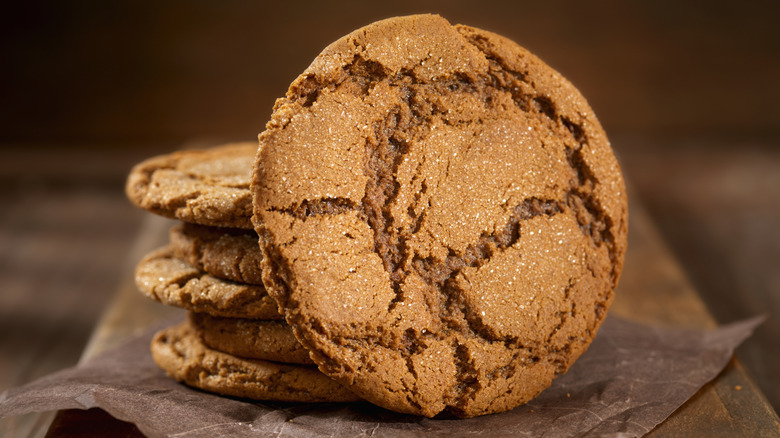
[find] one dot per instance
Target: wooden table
(653, 290)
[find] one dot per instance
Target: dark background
(687, 90)
(163, 70)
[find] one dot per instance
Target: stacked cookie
(440, 218)
(234, 342)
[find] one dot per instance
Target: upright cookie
(229, 253)
(208, 187)
(250, 338)
(163, 277)
(179, 352)
(441, 216)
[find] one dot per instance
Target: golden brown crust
(250, 338)
(179, 352)
(441, 216)
(209, 187)
(171, 281)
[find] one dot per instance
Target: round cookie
(179, 352)
(250, 338)
(173, 282)
(441, 216)
(209, 187)
(229, 253)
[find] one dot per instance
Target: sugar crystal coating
(441, 217)
(208, 187)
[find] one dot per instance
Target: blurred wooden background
(689, 92)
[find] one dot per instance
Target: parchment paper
(631, 379)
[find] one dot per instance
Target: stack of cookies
(235, 342)
(440, 220)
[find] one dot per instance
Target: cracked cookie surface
(181, 354)
(441, 216)
(171, 281)
(208, 187)
(229, 253)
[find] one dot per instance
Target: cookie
(179, 352)
(208, 187)
(173, 282)
(441, 216)
(229, 253)
(250, 338)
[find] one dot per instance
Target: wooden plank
(127, 315)
(653, 290)
(717, 204)
(131, 312)
(61, 255)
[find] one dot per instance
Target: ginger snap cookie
(441, 216)
(208, 187)
(250, 338)
(171, 281)
(229, 253)
(179, 352)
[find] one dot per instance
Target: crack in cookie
(442, 223)
(207, 187)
